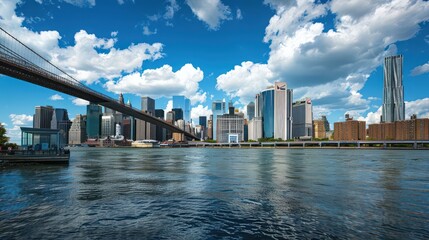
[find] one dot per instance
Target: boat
(147, 143)
(30, 156)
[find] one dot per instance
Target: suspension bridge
(19, 61)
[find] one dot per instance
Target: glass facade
(218, 108)
(93, 120)
(267, 102)
(185, 104)
(393, 95)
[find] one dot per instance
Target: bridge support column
(358, 144)
(320, 144)
(415, 145)
(338, 145)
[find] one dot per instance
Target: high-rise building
(145, 130)
(255, 129)
(60, 121)
(218, 108)
(43, 116)
(302, 119)
(160, 132)
(326, 123)
(107, 126)
(121, 99)
(230, 128)
(210, 127)
(93, 120)
(178, 114)
(185, 104)
(393, 95)
(319, 131)
(203, 121)
(250, 110)
(274, 106)
(77, 132)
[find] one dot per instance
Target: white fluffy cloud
(212, 12)
(332, 64)
(90, 59)
(56, 97)
(81, 3)
(245, 81)
(422, 69)
(168, 108)
(80, 102)
(85, 63)
(162, 82)
(198, 111)
(21, 119)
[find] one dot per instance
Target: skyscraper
(178, 113)
(43, 116)
(393, 94)
(203, 121)
(60, 120)
(274, 106)
(93, 120)
(218, 108)
(145, 130)
(302, 119)
(107, 126)
(230, 127)
(185, 104)
(251, 110)
(160, 132)
(77, 132)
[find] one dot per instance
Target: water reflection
(219, 193)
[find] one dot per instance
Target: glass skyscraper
(393, 94)
(274, 107)
(93, 120)
(185, 104)
(250, 110)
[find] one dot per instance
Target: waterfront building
(145, 130)
(126, 128)
(93, 120)
(161, 133)
(319, 130)
(230, 127)
(393, 108)
(210, 127)
(43, 116)
(77, 132)
(407, 130)
(274, 106)
(350, 130)
(107, 126)
(302, 119)
(60, 121)
(246, 130)
(250, 111)
(218, 108)
(255, 129)
(185, 104)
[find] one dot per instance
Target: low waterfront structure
(412, 129)
(350, 130)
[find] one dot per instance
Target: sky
(329, 51)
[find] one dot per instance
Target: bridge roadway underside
(13, 70)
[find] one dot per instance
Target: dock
(25, 157)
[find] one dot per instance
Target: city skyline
(216, 64)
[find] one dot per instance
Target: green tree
(3, 137)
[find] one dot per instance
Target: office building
(145, 130)
(218, 108)
(107, 126)
(350, 130)
(60, 121)
(393, 108)
(302, 112)
(161, 133)
(43, 116)
(178, 114)
(93, 120)
(203, 121)
(326, 123)
(230, 128)
(77, 132)
(210, 127)
(255, 129)
(319, 130)
(126, 128)
(274, 106)
(185, 104)
(250, 111)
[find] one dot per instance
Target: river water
(195, 193)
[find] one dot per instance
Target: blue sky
(330, 51)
